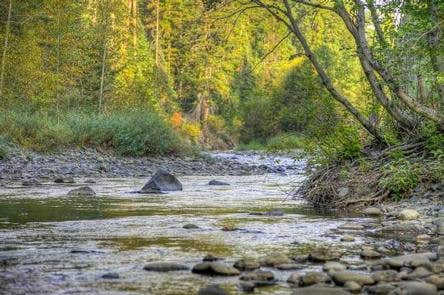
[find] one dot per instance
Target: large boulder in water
(162, 181)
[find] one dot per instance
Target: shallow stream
(54, 244)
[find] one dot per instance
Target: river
(54, 244)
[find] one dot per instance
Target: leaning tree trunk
(370, 127)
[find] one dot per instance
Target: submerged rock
(31, 182)
(82, 191)
(111, 276)
(275, 212)
(215, 268)
(164, 266)
(190, 226)
(289, 266)
(217, 182)
(161, 181)
(212, 290)
(61, 179)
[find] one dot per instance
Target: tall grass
(136, 133)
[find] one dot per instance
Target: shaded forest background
(158, 77)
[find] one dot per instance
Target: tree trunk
(358, 33)
(371, 128)
(390, 80)
(436, 43)
(5, 48)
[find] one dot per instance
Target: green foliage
(400, 177)
(135, 133)
(342, 144)
(253, 145)
(278, 143)
(4, 148)
(284, 142)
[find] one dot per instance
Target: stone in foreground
(413, 287)
(82, 192)
(408, 214)
(164, 266)
(162, 181)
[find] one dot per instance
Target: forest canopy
(337, 74)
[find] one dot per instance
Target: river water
(54, 244)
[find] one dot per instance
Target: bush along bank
(395, 173)
(135, 133)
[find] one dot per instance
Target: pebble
(312, 278)
(408, 214)
(372, 211)
(347, 238)
(341, 277)
(215, 268)
(247, 264)
(385, 276)
(275, 260)
(353, 287)
(332, 266)
(369, 254)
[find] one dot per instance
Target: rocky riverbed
(30, 166)
(248, 236)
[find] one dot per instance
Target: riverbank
(28, 166)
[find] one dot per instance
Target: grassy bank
(137, 133)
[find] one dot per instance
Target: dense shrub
(133, 133)
(400, 177)
(4, 148)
